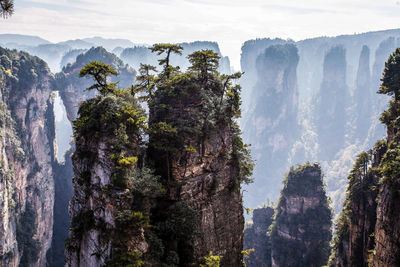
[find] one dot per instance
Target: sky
(230, 23)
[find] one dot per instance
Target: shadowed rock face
(26, 152)
(255, 237)
(272, 117)
(303, 220)
(204, 179)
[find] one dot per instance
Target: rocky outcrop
(256, 237)
(331, 104)
(273, 117)
(26, 151)
(303, 220)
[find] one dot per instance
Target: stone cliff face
(256, 237)
(205, 179)
(331, 103)
(26, 145)
(301, 231)
(273, 116)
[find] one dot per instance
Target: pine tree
(391, 76)
(99, 71)
(6, 8)
(204, 63)
(168, 49)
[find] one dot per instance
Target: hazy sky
(230, 23)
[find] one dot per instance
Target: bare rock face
(26, 152)
(303, 220)
(256, 237)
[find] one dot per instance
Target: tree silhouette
(6, 8)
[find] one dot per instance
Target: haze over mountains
(304, 101)
(311, 100)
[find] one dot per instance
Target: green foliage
(26, 229)
(143, 181)
(391, 76)
(118, 117)
(168, 49)
(146, 82)
(211, 260)
(246, 254)
(99, 72)
(390, 164)
(126, 259)
(242, 156)
(204, 63)
(128, 219)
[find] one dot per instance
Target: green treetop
(99, 71)
(6, 8)
(168, 49)
(204, 63)
(146, 81)
(391, 76)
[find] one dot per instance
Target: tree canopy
(391, 76)
(99, 71)
(168, 49)
(204, 63)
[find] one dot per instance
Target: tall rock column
(332, 100)
(272, 118)
(108, 209)
(301, 231)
